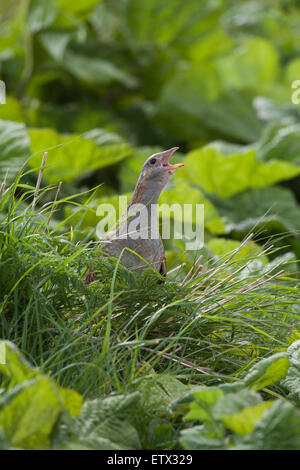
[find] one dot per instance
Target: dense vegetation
(211, 358)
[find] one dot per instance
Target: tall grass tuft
(108, 336)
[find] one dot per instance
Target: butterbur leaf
(176, 194)
(177, 22)
(72, 401)
(14, 148)
(12, 111)
(273, 208)
(244, 421)
(4, 445)
(160, 390)
(226, 175)
(29, 417)
(267, 372)
(15, 367)
(103, 425)
(199, 438)
(96, 71)
(278, 429)
(232, 403)
(281, 142)
(72, 155)
(201, 408)
(41, 14)
(292, 379)
(254, 64)
(224, 247)
(208, 395)
(77, 7)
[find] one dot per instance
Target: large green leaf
(77, 6)
(14, 148)
(103, 425)
(181, 192)
(205, 399)
(73, 155)
(244, 421)
(12, 110)
(93, 70)
(292, 379)
(15, 367)
(177, 22)
(226, 175)
(223, 247)
(273, 208)
(96, 71)
(158, 391)
(29, 418)
(267, 372)
(240, 411)
(200, 438)
(278, 429)
(41, 14)
(281, 142)
(254, 64)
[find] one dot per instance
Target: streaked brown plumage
(144, 240)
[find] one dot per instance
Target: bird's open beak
(165, 159)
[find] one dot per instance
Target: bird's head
(157, 169)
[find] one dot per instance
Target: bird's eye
(152, 161)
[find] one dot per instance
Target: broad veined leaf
(103, 425)
(226, 175)
(177, 22)
(92, 70)
(15, 367)
(240, 411)
(224, 247)
(96, 71)
(72, 401)
(159, 391)
(71, 156)
(273, 208)
(181, 193)
(11, 110)
(184, 101)
(14, 148)
(232, 115)
(292, 379)
(55, 43)
(234, 402)
(254, 64)
(213, 44)
(201, 408)
(267, 371)
(278, 429)
(41, 14)
(29, 418)
(243, 422)
(200, 438)
(77, 7)
(281, 142)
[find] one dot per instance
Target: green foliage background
(101, 85)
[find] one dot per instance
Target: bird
(136, 237)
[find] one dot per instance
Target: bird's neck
(143, 208)
(145, 193)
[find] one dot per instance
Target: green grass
(119, 332)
